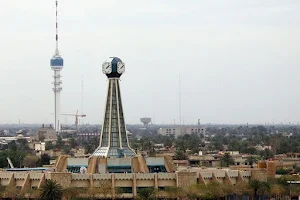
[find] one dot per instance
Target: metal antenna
(56, 37)
(179, 99)
(81, 93)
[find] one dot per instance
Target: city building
(181, 130)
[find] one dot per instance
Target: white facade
(57, 89)
(177, 131)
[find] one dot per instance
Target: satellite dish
(83, 170)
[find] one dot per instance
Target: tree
(11, 192)
(179, 155)
(255, 185)
(45, 159)
(277, 191)
(251, 160)
(12, 146)
(265, 188)
(59, 143)
(73, 143)
(259, 187)
(227, 160)
(242, 188)
(51, 190)
(30, 161)
(71, 192)
(175, 192)
(67, 149)
(146, 194)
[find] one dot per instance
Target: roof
(113, 60)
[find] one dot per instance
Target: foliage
(51, 190)
(179, 155)
(146, 194)
(260, 187)
(251, 160)
(227, 160)
(15, 156)
(45, 159)
(30, 161)
(71, 192)
(67, 149)
(282, 171)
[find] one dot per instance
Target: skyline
(237, 61)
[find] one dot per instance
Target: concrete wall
(133, 180)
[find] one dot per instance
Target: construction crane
(76, 118)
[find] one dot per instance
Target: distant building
(8, 139)
(40, 148)
(47, 134)
(177, 131)
(88, 136)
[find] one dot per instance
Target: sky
(238, 61)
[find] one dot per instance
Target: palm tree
(259, 187)
(255, 185)
(277, 191)
(146, 194)
(265, 188)
(51, 190)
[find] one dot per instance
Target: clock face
(106, 68)
(121, 67)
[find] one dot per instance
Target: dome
(113, 60)
(20, 136)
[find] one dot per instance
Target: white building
(181, 130)
(40, 148)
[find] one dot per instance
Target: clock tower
(113, 138)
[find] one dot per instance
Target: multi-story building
(181, 130)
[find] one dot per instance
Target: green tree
(179, 155)
(12, 146)
(59, 143)
(227, 160)
(30, 161)
(259, 187)
(73, 143)
(146, 194)
(51, 190)
(255, 185)
(45, 159)
(251, 160)
(71, 192)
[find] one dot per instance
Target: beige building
(126, 175)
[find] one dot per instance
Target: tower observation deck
(113, 138)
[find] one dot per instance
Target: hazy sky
(239, 60)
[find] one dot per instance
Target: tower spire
(56, 24)
(57, 64)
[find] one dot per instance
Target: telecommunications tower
(57, 64)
